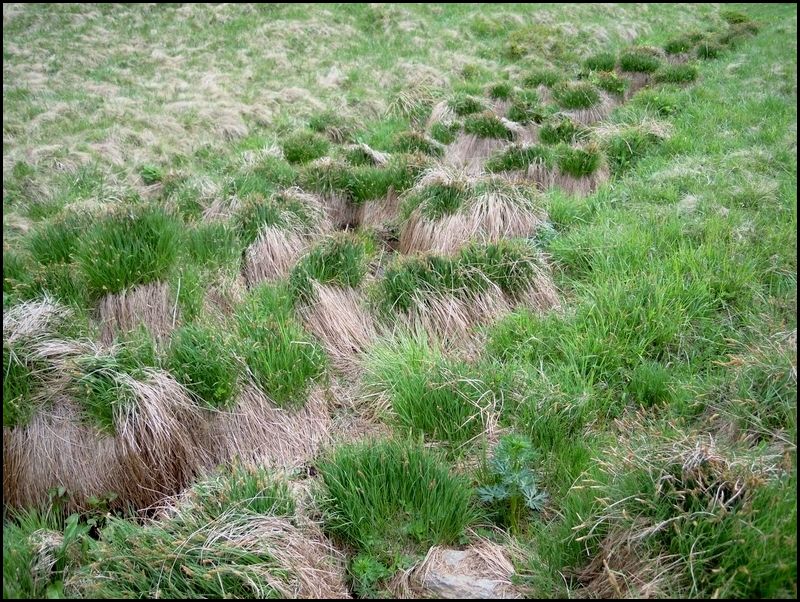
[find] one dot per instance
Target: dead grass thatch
(273, 255)
(337, 316)
(149, 305)
(256, 430)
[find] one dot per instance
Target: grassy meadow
(296, 297)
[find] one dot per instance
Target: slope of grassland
(297, 298)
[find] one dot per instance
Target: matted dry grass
(256, 430)
(149, 305)
(339, 318)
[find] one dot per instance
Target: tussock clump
(656, 493)
(487, 125)
(363, 154)
(213, 245)
(449, 295)
(281, 357)
(273, 255)
(709, 49)
(526, 108)
(445, 212)
(580, 170)
(610, 82)
(483, 134)
(560, 128)
(56, 240)
(543, 77)
(441, 114)
(290, 210)
(641, 59)
(464, 104)
(679, 45)
(416, 142)
(523, 164)
(373, 495)
(134, 245)
(625, 146)
(332, 125)
(323, 284)
(255, 430)
(304, 146)
(339, 318)
(279, 229)
(241, 549)
(576, 95)
(602, 61)
(676, 74)
(445, 133)
(112, 426)
(638, 65)
(340, 260)
(500, 91)
(149, 305)
(430, 394)
(203, 361)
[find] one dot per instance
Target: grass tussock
(445, 212)
(432, 395)
(248, 547)
(135, 245)
(377, 491)
(283, 360)
(203, 361)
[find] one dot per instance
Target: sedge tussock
(583, 185)
(441, 113)
(496, 210)
(593, 114)
(149, 305)
(33, 320)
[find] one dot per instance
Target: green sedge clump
(134, 245)
(445, 132)
(464, 104)
(558, 130)
(340, 260)
(517, 157)
(436, 200)
(542, 77)
(602, 61)
(487, 125)
(638, 61)
(576, 95)
(526, 108)
(416, 142)
(201, 359)
(676, 74)
(304, 146)
(579, 162)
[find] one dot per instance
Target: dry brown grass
(150, 305)
(273, 255)
(469, 152)
(256, 430)
(339, 318)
